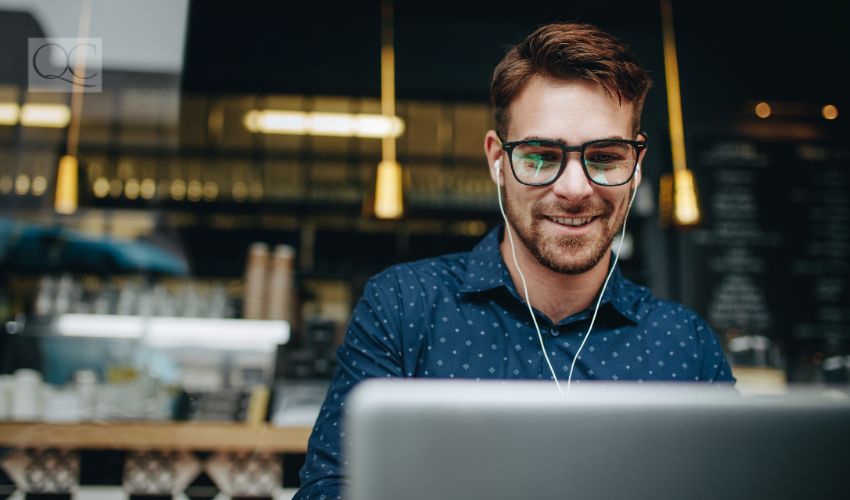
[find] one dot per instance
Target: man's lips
(575, 221)
(571, 221)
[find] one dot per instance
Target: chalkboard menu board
(772, 256)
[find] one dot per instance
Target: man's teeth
(569, 221)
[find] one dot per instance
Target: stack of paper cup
(28, 396)
(7, 384)
(281, 299)
(86, 388)
(254, 299)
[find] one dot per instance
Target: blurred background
(220, 173)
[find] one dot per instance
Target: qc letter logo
(64, 65)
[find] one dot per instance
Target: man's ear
(493, 151)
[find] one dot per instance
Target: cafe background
(184, 240)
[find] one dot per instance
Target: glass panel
(470, 123)
(422, 135)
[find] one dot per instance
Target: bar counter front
(123, 460)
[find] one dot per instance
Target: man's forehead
(568, 110)
(541, 82)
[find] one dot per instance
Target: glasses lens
(610, 162)
(536, 163)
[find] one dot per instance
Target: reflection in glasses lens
(610, 162)
(536, 163)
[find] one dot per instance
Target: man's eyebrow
(565, 143)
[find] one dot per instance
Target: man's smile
(571, 221)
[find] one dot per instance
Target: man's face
(568, 226)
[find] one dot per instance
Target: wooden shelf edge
(212, 436)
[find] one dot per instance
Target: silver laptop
(447, 440)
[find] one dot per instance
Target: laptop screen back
(426, 440)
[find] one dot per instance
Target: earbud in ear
(498, 165)
(638, 167)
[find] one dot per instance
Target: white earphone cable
(601, 293)
(497, 164)
(522, 278)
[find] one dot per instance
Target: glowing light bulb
(830, 112)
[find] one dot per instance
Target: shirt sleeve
(714, 365)
(371, 348)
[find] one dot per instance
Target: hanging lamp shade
(388, 191)
(686, 210)
(66, 185)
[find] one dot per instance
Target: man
(565, 156)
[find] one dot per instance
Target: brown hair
(564, 51)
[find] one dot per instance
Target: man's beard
(550, 253)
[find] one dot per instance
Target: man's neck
(556, 295)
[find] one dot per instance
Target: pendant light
(67, 178)
(389, 203)
(685, 203)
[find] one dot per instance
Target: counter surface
(217, 436)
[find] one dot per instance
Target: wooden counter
(212, 436)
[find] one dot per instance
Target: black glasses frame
(639, 146)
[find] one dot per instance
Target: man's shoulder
(650, 307)
(449, 267)
(671, 313)
(440, 268)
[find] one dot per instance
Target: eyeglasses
(607, 162)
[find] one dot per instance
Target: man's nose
(573, 184)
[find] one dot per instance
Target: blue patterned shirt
(460, 316)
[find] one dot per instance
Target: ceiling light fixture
(686, 210)
(829, 112)
(389, 186)
(9, 112)
(67, 177)
(363, 125)
(763, 110)
(45, 115)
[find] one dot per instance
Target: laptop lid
(426, 440)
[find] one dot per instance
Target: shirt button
(554, 331)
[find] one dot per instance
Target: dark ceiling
(444, 49)
(729, 52)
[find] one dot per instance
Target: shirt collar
(486, 271)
